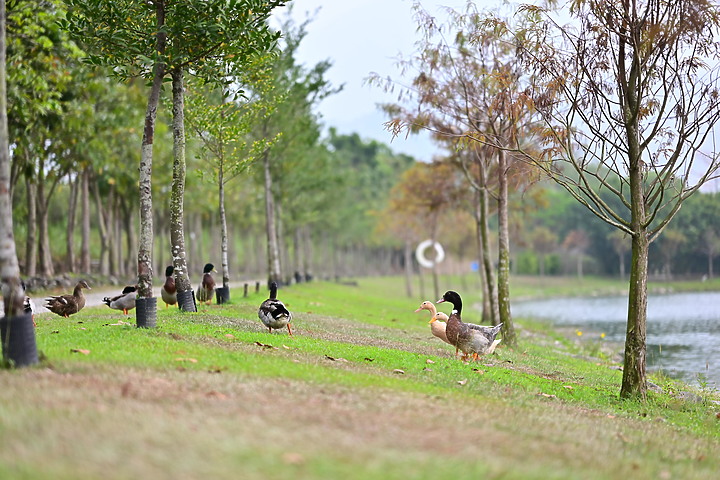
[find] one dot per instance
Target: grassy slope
(361, 391)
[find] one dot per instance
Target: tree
(543, 242)
(213, 39)
(223, 120)
(628, 95)
(14, 326)
(464, 92)
(621, 246)
(668, 246)
(293, 92)
(577, 241)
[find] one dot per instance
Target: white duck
(437, 320)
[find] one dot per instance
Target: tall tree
(211, 38)
(628, 94)
(14, 325)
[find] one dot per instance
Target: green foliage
(215, 38)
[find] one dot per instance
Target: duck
(168, 291)
(206, 290)
(273, 313)
(125, 301)
(28, 304)
(437, 320)
(473, 340)
(66, 305)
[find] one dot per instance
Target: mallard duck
(206, 290)
(66, 305)
(125, 301)
(28, 304)
(437, 320)
(272, 312)
(168, 291)
(474, 340)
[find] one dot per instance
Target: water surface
(683, 329)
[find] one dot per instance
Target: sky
(361, 37)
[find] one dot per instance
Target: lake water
(683, 330)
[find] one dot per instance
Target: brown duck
(168, 291)
(66, 305)
(472, 339)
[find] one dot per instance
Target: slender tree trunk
(44, 255)
(508, 329)
(103, 230)
(9, 267)
(31, 240)
(223, 228)
(273, 252)
(490, 288)
(407, 255)
(144, 266)
(72, 212)
(177, 232)
(85, 265)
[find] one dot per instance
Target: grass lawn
(362, 390)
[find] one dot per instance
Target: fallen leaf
(546, 395)
(717, 415)
(429, 361)
(55, 331)
(569, 387)
(264, 345)
(426, 369)
(229, 335)
(478, 371)
(462, 382)
(215, 394)
(293, 458)
(191, 360)
(286, 347)
(399, 372)
(339, 359)
(80, 350)
(368, 359)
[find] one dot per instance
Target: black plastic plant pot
(222, 295)
(18, 340)
(186, 301)
(146, 312)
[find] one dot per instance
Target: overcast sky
(361, 37)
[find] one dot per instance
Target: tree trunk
(273, 252)
(223, 229)
(72, 211)
(85, 221)
(408, 267)
(44, 256)
(144, 266)
(31, 240)
(9, 266)
(177, 232)
(508, 330)
(103, 228)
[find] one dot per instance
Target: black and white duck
(206, 290)
(125, 301)
(168, 292)
(66, 305)
(273, 313)
(473, 340)
(28, 303)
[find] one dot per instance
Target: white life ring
(420, 253)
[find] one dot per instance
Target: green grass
(362, 390)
